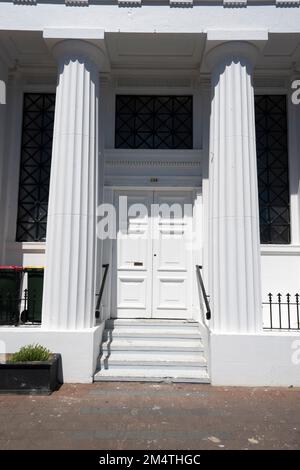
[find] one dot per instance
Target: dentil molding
(77, 3)
(152, 163)
(130, 3)
(181, 3)
(235, 3)
(287, 3)
(25, 2)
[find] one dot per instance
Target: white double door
(152, 255)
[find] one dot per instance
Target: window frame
(282, 93)
(154, 96)
(18, 238)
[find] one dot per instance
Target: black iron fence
(21, 292)
(282, 312)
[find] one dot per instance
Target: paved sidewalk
(152, 416)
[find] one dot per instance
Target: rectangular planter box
(38, 378)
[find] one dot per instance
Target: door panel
(133, 257)
(172, 256)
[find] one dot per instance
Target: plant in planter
(33, 370)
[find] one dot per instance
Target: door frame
(197, 246)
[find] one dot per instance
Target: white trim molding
(30, 247)
(280, 250)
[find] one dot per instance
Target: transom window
(154, 122)
(37, 133)
(273, 171)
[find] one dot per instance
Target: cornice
(173, 3)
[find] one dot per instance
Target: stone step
(156, 375)
(149, 332)
(120, 322)
(152, 350)
(153, 344)
(155, 356)
(128, 363)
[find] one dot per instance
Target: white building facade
(124, 112)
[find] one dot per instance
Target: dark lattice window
(154, 122)
(37, 133)
(272, 162)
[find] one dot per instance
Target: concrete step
(151, 333)
(152, 327)
(152, 350)
(157, 375)
(122, 322)
(150, 364)
(156, 344)
(155, 356)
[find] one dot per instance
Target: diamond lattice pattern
(272, 163)
(37, 134)
(154, 122)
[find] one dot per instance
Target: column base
(266, 359)
(79, 349)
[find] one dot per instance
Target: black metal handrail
(283, 313)
(204, 294)
(97, 312)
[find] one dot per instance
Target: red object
(12, 268)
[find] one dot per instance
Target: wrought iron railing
(15, 310)
(99, 298)
(21, 293)
(9, 308)
(282, 312)
(203, 291)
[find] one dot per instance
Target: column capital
(231, 51)
(85, 44)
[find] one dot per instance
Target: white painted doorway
(152, 255)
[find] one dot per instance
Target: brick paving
(152, 416)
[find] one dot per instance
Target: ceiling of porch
(167, 51)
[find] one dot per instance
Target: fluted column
(69, 286)
(234, 255)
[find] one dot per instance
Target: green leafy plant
(32, 352)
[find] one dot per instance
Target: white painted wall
(270, 359)
(79, 349)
